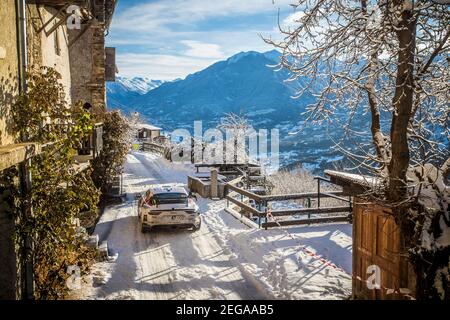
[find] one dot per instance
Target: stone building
(91, 63)
(9, 68)
(38, 33)
(147, 132)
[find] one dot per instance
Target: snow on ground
(223, 260)
(277, 257)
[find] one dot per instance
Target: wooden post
(121, 183)
(318, 193)
(266, 212)
(214, 183)
(309, 206)
(350, 215)
(259, 219)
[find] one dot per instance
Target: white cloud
(176, 43)
(173, 62)
(156, 16)
(199, 49)
(160, 67)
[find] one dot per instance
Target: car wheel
(144, 229)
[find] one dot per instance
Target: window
(169, 198)
(110, 64)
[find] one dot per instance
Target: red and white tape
(403, 291)
(303, 247)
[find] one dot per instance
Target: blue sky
(169, 39)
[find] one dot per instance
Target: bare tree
(236, 128)
(388, 58)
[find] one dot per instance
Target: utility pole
(24, 172)
(26, 184)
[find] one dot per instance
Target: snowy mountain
(123, 89)
(244, 84)
(248, 84)
(139, 84)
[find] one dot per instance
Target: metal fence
(236, 195)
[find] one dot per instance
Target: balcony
(11, 155)
(92, 145)
(14, 154)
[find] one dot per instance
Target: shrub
(45, 231)
(300, 180)
(116, 145)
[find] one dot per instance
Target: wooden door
(376, 242)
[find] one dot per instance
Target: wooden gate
(377, 243)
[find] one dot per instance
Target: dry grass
(301, 181)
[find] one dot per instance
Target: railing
(98, 139)
(153, 147)
(93, 145)
(232, 190)
(226, 167)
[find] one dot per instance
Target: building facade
(91, 63)
(9, 68)
(35, 34)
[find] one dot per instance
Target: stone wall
(49, 49)
(81, 66)
(203, 188)
(51, 57)
(9, 88)
(42, 50)
(87, 56)
(9, 64)
(98, 68)
(82, 70)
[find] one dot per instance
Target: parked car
(168, 206)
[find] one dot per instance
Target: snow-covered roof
(426, 182)
(169, 189)
(354, 184)
(366, 181)
(207, 175)
(147, 126)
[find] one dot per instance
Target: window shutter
(110, 64)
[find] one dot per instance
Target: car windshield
(167, 198)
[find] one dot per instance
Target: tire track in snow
(165, 264)
(223, 260)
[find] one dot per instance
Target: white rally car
(169, 206)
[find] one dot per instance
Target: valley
(247, 84)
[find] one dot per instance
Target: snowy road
(223, 260)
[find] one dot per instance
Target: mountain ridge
(246, 83)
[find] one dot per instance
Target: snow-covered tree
(388, 58)
(236, 129)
